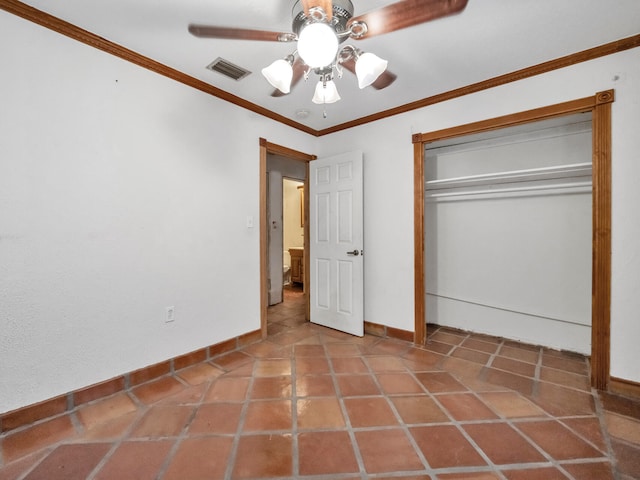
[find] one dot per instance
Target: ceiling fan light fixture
(368, 68)
(320, 26)
(326, 92)
(318, 45)
(279, 74)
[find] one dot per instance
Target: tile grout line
(401, 422)
(554, 462)
(456, 423)
(600, 414)
(233, 454)
(584, 438)
(548, 417)
(295, 450)
(26, 473)
(513, 422)
(79, 429)
(118, 443)
(451, 347)
(500, 419)
(493, 356)
(174, 448)
(183, 433)
(347, 421)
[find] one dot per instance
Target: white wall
(114, 203)
(388, 172)
(121, 193)
(293, 232)
(518, 267)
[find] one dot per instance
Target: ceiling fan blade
(298, 72)
(385, 79)
(210, 31)
(407, 13)
(326, 5)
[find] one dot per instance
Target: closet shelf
(576, 170)
(493, 191)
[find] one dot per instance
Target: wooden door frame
(265, 149)
(600, 107)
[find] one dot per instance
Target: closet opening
(508, 233)
(511, 182)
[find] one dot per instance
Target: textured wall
(122, 192)
(388, 173)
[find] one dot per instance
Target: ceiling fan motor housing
(342, 12)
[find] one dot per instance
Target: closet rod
(513, 189)
(515, 173)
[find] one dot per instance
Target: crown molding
(562, 62)
(72, 31)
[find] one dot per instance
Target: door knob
(355, 253)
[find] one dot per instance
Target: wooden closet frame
(600, 107)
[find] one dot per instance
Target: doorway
(286, 244)
(293, 164)
(292, 235)
(600, 107)
(285, 214)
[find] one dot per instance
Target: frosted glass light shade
(318, 45)
(368, 68)
(279, 74)
(326, 93)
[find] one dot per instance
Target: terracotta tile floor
(314, 403)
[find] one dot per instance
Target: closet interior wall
(508, 233)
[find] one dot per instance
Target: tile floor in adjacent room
(310, 402)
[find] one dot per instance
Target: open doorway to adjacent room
(284, 232)
(285, 211)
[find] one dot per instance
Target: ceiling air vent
(225, 67)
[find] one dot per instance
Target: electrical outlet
(171, 314)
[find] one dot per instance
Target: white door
(274, 207)
(336, 242)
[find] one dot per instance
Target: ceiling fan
(319, 27)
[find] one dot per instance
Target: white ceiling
(489, 38)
